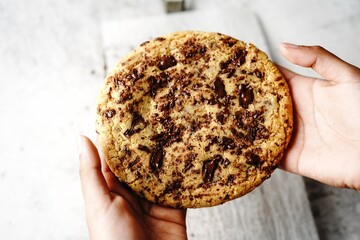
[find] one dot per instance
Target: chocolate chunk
(209, 167)
(211, 101)
(207, 148)
(229, 41)
(194, 126)
(231, 73)
(246, 95)
(219, 88)
(192, 50)
(129, 132)
(137, 118)
(262, 132)
(156, 159)
(118, 82)
(157, 82)
(238, 120)
(238, 135)
(225, 162)
(109, 113)
(158, 137)
(154, 85)
(134, 75)
(197, 86)
(239, 57)
(171, 187)
(167, 62)
(220, 117)
(188, 166)
(230, 179)
(227, 143)
(258, 73)
(144, 43)
(160, 39)
(170, 135)
(202, 49)
(225, 65)
(133, 163)
(214, 140)
(252, 158)
(124, 97)
(144, 148)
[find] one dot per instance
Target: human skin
(325, 146)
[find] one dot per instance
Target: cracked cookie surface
(194, 119)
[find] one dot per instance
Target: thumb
(94, 187)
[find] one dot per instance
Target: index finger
(329, 66)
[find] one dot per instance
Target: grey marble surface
(51, 67)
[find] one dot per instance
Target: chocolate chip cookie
(194, 119)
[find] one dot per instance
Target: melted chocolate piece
(170, 135)
(144, 43)
(158, 82)
(154, 85)
(239, 57)
(231, 73)
(238, 120)
(211, 101)
(225, 65)
(109, 113)
(124, 97)
(192, 50)
(209, 167)
(227, 143)
(212, 141)
(171, 187)
(137, 118)
(219, 88)
(238, 135)
(167, 62)
(230, 179)
(129, 132)
(258, 73)
(252, 158)
(160, 39)
(220, 117)
(158, 137)
(156, 159)
(188, 165)
(246, 95)
(144, 148)
(133, 163)
(118, 82)
(134, 76)
(225, 162)
(194, 126)
(229, 41)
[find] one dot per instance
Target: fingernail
(79, 143)
(289, 45)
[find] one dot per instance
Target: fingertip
(79, 143)
(92, 180)
(287, 45)
(88, 153)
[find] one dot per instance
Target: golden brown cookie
(194, 119)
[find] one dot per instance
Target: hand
(113, 212)
(325, 144)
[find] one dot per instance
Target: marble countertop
(52, 66)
